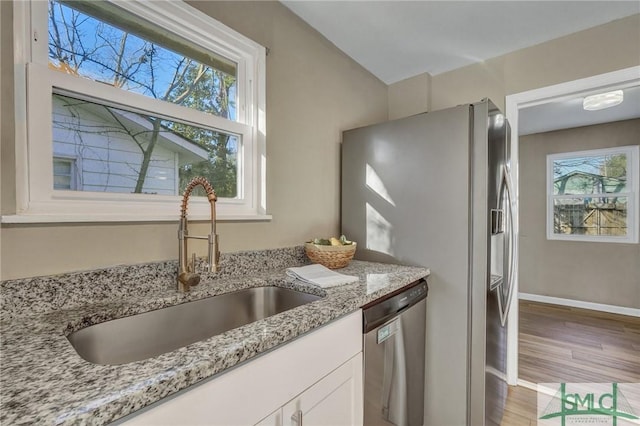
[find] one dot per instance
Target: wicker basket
(333, 257)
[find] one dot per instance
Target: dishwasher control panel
(379, 312)
(418, 291)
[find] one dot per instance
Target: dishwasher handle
(378, 313)
(296, 418)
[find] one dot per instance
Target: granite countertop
(44, 381)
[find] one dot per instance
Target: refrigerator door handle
(511, 258)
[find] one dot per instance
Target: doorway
(516, 105)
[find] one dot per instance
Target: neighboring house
(92, 151)
(589, 214)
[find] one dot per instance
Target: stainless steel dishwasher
(394, 357)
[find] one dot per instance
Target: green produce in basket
(344, 241)
(333, 241)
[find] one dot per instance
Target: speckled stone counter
(44, 381)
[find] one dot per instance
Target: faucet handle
(186, 280)
(189, 278)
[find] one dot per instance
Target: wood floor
(521, 407)
(563, 344)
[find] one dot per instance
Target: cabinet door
(273, 419)
(335, 400)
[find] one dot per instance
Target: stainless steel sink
(156, 332)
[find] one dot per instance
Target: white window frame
(631, 193)
(37, 201)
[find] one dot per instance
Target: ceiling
(568, 113)
(395, 40)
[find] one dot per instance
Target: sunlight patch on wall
(378, 232)
(376, 185)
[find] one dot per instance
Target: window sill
(113, 218)
(631, 239)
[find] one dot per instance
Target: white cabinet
(336, 400)
(319, 373)
(273, 419)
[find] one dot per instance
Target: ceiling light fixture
(602, 100)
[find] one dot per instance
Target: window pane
(590, 216)
(590, 175)
(122, 151)
(62, 171)
(61, 167)
(138, 57)
(62, 182)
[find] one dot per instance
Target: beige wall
(1, 122)
(410, 96)
(598, 50)
(606, 273)
(314, 91)
(7, 150)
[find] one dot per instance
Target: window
(593, 195)
(135, 99)
(64, 173)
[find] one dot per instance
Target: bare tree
(126, 61)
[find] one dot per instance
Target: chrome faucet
(187, 277)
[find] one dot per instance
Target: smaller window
(64, 172)
(593, 195)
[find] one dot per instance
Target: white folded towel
(320, 275)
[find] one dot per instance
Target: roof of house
(574, 182)
(189, 150)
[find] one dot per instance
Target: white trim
(127, 217)
(527, 384)
(612, 309)
(78, 88)
(513, 313)
(21, 56)
(621, 78)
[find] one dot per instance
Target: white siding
(108, 160)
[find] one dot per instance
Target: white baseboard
(527, 384)
(622, 310)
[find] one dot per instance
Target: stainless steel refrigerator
(434, 190)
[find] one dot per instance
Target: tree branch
(202, 70)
